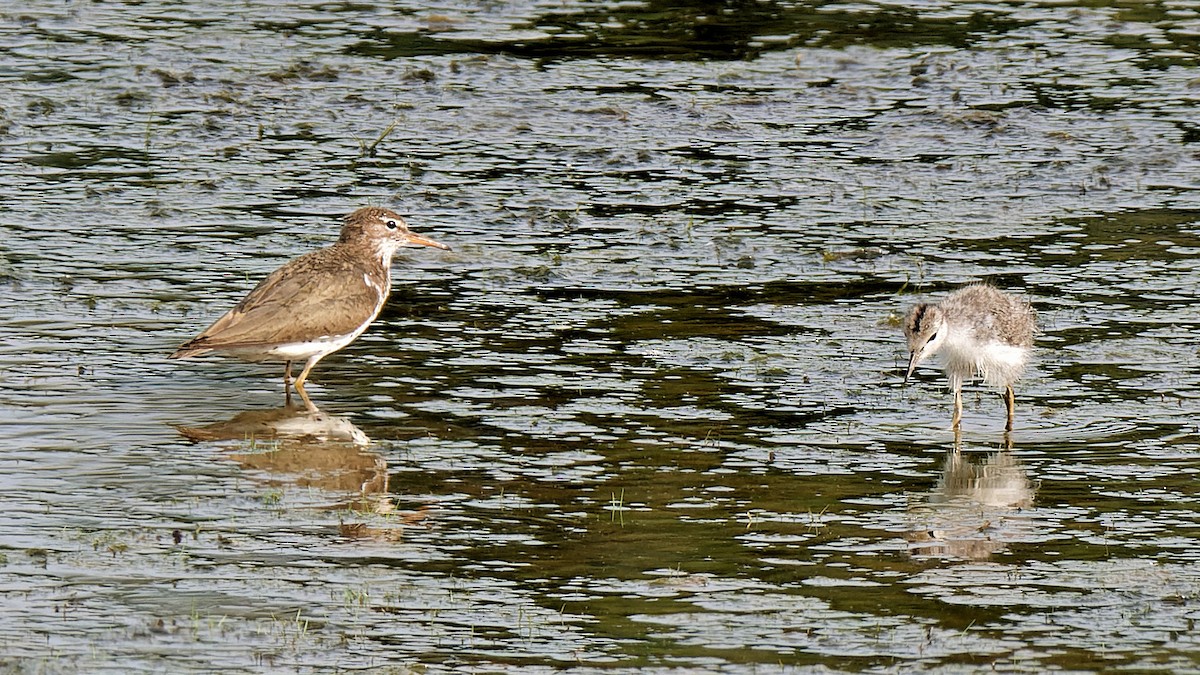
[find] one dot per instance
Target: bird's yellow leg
(956, 421)
(299, 383)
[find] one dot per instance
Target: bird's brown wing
(313, 296)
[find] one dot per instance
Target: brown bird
(315, 304)
(981, 331)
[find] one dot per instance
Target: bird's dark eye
(390, 223)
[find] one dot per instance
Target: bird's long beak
(913, 360)
(418, 240)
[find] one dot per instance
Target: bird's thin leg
(956, 421)
(287, 383)
(1010, 402)
(299, 383)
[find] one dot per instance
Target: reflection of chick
(966, 500)
(998, 481)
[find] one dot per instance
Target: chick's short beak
(913, 359)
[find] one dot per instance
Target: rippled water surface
(649, 413)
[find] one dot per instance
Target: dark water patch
(706, 31)
(89, 157)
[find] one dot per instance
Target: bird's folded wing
(294, 306)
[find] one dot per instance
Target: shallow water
(649, 413)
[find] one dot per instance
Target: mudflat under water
(648, 415)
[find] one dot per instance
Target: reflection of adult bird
(317, 303)
(280, 424)
(315, 448)
(979, 330)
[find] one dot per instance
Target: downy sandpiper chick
(979, 330)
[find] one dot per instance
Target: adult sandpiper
(315, 304)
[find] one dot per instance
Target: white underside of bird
(996, 363)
